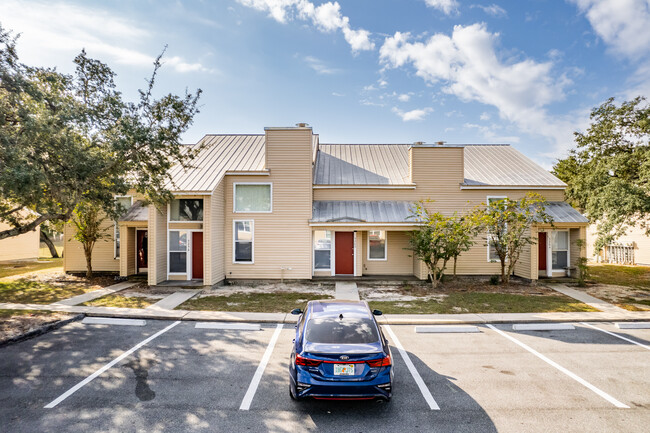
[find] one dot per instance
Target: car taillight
(307, 362)
(384, 362)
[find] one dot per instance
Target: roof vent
(418, 143)
(440, 143)
(302, 125)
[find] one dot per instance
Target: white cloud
(408, 116)
(327, 18)
(49, 30)
(446, 6)
(320, 67)
(494, 10)
(490, 134)
(338, 94)
(469, 67)
(624, 25)
(404, 97)
(484, 116)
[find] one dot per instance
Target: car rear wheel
(293, 397)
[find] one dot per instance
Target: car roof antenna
(341, 316)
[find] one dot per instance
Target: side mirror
(296, 312)
(377, 312)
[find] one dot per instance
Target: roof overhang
(533, 187)
(369, 186)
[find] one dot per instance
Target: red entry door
(344, 251)
(142, 250)
(197, 255)
(541, 251)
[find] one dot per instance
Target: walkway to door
(346, 290)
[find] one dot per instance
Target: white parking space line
(113, 321)
(543, 327)
(87, 380)
(252, 388)
(228, 326)
(442, 329)
(418, 379)
(573, 376)
(616, 335)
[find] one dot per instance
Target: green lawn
(279, 302)
(36, 292)
(9, 269)
(122, 301)
(481, 302)
(631, 276)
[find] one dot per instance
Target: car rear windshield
(332, 330)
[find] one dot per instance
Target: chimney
(440, 143)
(418, 143)
(302, 125)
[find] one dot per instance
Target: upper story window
(186, 209)
(376, 245)
(253, 197)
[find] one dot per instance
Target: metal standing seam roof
(354, 211)
(221, 153)
(563, 212)
(388, 164)
(138, 212)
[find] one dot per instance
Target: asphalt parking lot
(172, 376)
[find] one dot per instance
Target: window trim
(487, 204)
(568, 250)
(116, 226)
(188, 253)
(234, 225)
(234, 197)
(385, 246)
(313, 254)
(169, 211)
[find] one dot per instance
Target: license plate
(343, 369)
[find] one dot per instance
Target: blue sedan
(340, 353)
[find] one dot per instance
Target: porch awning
(564, 213)
(354, 212)
(138, 212)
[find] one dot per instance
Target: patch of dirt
(22, 323)
(620, 295)
(324, 289)
(416, 290)
(57, 276)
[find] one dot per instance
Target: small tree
(508, 223)
(583, 269)
(88, 219)
(461, 237)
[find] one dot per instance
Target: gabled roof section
(138, 212)
(502, 165)
(221, 153)
(362, 164)
(563, 212)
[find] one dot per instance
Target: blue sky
(522, 72)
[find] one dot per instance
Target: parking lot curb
(40, 330)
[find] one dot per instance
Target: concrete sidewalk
(391, 319)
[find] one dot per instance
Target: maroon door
(541, 251)
(344, 252)
(197, 255)
(142, 249)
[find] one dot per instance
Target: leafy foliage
(608, 173)
(507, 223)
(67, 139)
(88, 221)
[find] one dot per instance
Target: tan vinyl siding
(359, 253)
(157, 245)
(127, 240)
(574, 251)
(635, 235)
(103, 259)
(523, 267)
(281, 238)
(213, 237)
(398, 260)
(25, 246)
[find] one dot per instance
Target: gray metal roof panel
(324, 211)
(563, 212)
(220, 153)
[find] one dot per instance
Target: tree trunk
(504, 276)
(455, 257)
(45, 238)
(88, 252)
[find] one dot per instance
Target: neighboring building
(281, 205)
(22, 247)
(631, 248)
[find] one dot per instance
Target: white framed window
(559, 249)
(252, 197)
(243, 238)
(492, 255)
(322, 250)
(186, 210)
(178, 251)
(377, 249)
(122, 203)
